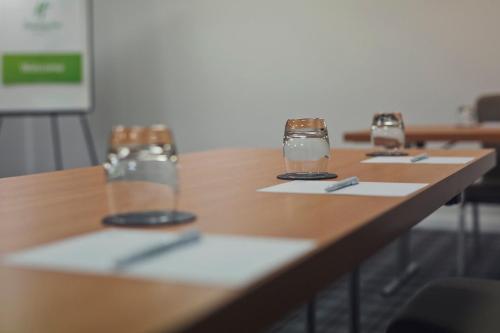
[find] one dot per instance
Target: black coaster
(307, 176)
(152, 218)
(387, 153)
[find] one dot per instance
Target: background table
(220, 187)
(486, 133)
(423, 133)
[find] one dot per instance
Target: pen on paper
(342, 184)
(183, 239)
(419, 158)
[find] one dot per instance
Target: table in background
(220, 187)
(418, 135)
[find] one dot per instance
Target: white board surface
(45, 56)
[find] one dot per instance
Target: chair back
(488, 109)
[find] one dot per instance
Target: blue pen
(419, 158)
(342, 184)
(185, 238)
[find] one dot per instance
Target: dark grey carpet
(435, 251)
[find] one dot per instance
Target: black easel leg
(405, 266)
(56, 141)
(84, 122)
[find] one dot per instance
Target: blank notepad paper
(429, 160)
(381, 189)
(214, 259)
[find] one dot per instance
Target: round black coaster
(151, 218)
(387, 153)
(307, 176)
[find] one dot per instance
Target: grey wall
(229, 73)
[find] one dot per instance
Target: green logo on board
(41, 9)
(41, 20)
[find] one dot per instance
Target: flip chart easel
(46, 64)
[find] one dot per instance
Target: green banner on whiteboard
(42, 68)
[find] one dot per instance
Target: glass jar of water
(306, 146)
(388, 131)
(141, 173)
(467, 116)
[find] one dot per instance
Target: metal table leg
(311, 316)
(406, 267)
(476, 229)
(461, 256)
(354, 303)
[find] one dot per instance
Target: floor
(434, 249)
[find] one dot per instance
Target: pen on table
(419, 158)
(185, 238)
(342, 184)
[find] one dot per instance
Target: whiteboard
(45, 56)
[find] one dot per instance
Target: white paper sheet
(215, 259)
(363, 188)
(430, 160)
(490, 124)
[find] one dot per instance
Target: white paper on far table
(490, 124)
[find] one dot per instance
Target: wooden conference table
(220, 187)
(421, 134)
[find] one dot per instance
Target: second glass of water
(306, 146)
(388, 132)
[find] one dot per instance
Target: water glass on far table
(466, 116)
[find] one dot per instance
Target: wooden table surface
(425, 133)
(220, 187)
